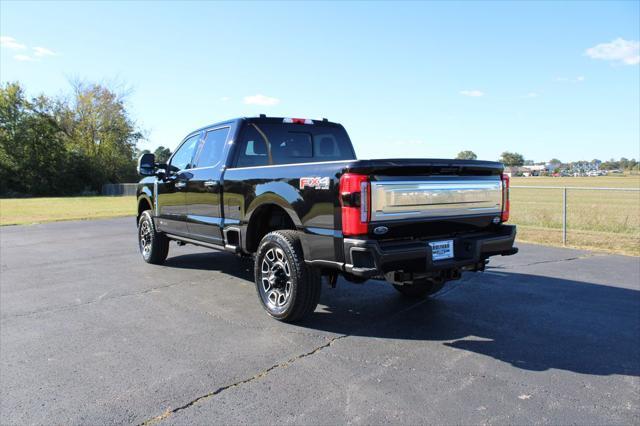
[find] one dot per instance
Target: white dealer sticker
(441, 249)
(315, 182)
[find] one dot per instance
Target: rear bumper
(368, 258)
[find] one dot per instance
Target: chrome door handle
(210, 183)
(180, 185)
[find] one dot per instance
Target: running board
(226, 247)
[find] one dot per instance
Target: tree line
(514, 159)
(67, 144)
(507, 158)
(621, 164)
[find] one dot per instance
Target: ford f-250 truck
(290, 193)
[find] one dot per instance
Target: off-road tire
(303, 282)
(156, 249)
(419, 289)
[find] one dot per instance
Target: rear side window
(326, 147)
(252, 148)
(292, 147)
(211, 151)
(181, 160)
(264, 143)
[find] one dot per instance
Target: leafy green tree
(100, 130)
(162, 154)
(624, 163)
(138, 153)
(467, 155)
(511, 159)
(612, 164)
(56, 146)
(33, 158)
(12, 116)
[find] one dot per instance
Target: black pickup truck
(290, 193)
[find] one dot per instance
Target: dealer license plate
(441, 249)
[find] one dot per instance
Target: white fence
(564, 199)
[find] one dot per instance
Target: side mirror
(161, 172)
(147, 165)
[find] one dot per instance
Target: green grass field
(21, 211)
(601, 220)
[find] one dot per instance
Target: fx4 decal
(315, 182)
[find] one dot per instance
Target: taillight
(505, 198)
(355, 202)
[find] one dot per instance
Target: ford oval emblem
(380, 230)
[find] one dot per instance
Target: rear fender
(266, 199)
(280, 194)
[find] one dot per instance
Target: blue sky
(546, 79)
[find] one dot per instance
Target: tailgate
(433, 198)
(426, 198)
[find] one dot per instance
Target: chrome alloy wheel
(275, 279)
(145, 238)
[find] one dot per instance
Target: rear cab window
(270, 141)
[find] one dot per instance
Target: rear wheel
(154, 245)
(287, 288)
(420, 289)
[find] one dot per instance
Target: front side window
(212, 149)
(181, 160)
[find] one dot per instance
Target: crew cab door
(204, 189)
(171, 191)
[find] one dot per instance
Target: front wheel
(287, 288)
(154, 245)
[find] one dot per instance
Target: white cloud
(261, 100)
(531, 95)
(225, 98)
(11, 43)
(24, 58)
(43, 51)
(472, 93)
(619, 50)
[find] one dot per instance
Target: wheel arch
(144, 203)
(262, 218)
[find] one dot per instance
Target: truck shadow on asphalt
(532, 322)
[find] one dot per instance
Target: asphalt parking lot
(91, 334)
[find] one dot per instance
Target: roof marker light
(298, 120)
